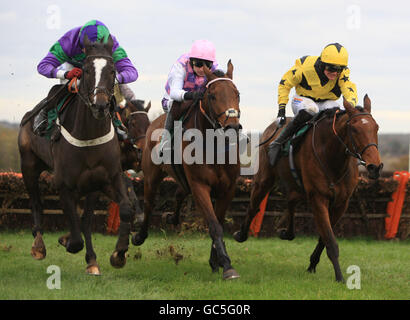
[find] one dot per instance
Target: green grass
(269, 269)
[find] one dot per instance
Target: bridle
(213, 119)
(133, 140)
(97, 89)
(354, 153)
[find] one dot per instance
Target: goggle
(199, 63)
(334, 68)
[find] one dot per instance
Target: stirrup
(40, 123)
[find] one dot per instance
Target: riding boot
(275, 147)
(165, 142)
(41, 119)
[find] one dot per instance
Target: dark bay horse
(84, 157)
(327, 163)
(219, 109)
(135, 117)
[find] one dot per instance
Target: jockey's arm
(348, 88)
(57, 56)
(289, 80)
(176, 82)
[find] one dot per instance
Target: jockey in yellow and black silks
(318, 81)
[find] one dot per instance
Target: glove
(74, 73)
(281, 119)
(193, 95)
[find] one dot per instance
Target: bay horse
(135, 118)
(219, 103)
(84, 157)
(327, 164)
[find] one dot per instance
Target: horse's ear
(229, 73)
(348, 106)
(148, 107)
(110, 43)
(86, 41)
(367, 103)
(208, 73)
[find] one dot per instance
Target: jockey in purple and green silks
(70, 47)
(69, 51)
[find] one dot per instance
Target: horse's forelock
(219, 73)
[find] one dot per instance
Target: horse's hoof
(70, 245)
(284, 235)
(170, 218)
(38, 249)
(118, 260)
(311, 269)
(38, 253)
(93, 269)
(137, 239)
(63, 240)
(230, 274)
(238, 236)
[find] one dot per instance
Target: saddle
(290, 148)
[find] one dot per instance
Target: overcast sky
(263, 39)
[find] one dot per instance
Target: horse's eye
(212, 97)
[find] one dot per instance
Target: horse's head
(221, 99)
(137, 123)
(362, 131)
(98, 76)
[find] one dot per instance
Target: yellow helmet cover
(334, 53)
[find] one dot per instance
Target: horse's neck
(330, 146)
(81, 123)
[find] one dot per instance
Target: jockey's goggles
(334, 68)
(199, 63)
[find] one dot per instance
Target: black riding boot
(275, 147)
(165, 142)
(41, 119)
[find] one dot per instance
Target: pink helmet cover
(203, 49)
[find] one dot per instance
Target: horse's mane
(331, 112)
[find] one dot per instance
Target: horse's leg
(221, 205)
(73, 241)
(86, 219)
(202, 198)
(320, 206)
(335, 213)
(151, 182)
(138, 216)
(180, 195)
(262, 186)
(289, 233)
(31, 170)
(118, 258)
